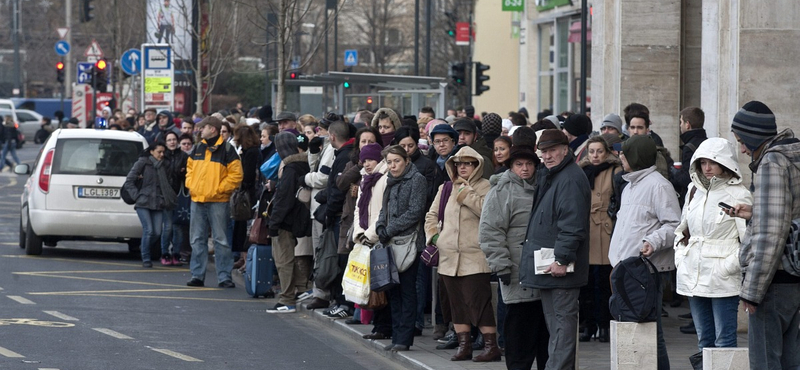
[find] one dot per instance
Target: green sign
(551, 4)
(513, 5)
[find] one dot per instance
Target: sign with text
(158, 77)
(513, 5)
(462, 33)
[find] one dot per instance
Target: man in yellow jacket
(213, 172)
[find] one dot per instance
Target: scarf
(170, 198)
(387, 139)
(367, 184)
(592, 171)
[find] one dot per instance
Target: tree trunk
(283, 30)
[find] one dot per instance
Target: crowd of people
(493, 196)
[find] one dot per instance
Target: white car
(29, 122)
(73, 190)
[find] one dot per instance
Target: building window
(559, 66)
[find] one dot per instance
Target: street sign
(62, 32)
(158, 75)
(131, 62)
(513, 5)
(62, 48)
(350, 58)
(462, 33)
(93, 52)
(84, 72)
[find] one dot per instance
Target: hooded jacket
(392, 116)
(559, 220)
(600, 223)
(776, 202)
(159, 132)
(460, 253)
(149, 195)
(649, 211)
(213, 172)
(320, 164)
(708, 265)
(504, 221)
(287, 211)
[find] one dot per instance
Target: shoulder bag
(430, 256)
(241, 205)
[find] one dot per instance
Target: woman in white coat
(708, 240)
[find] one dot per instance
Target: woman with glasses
(462, 263)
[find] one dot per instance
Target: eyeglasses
(441, 141)
(467, 164)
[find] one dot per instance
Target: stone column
(726, 359)
(633, 346)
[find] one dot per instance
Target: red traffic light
(293, 75)
(60, 66)
(101, 64)
(369, 100)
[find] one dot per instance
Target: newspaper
(545, 257)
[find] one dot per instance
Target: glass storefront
(559, 64)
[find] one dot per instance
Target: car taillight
(44, 175)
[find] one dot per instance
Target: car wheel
(134, 246)
(33, 243)
(21, 234)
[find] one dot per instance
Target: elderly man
(558, 227)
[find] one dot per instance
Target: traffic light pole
(94, 97)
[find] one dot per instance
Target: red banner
(462, 33)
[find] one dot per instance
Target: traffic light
(346, 85)
(294, 75)
(458, 73)
(369, 100)
(60, 72)
(101, 75)
(480, 78)
(86, 10)
(450, 27)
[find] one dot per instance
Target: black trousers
(382, 321)
(526, 335)
(594, 298)
(403, 300)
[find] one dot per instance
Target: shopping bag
(383, 273)
(355, 283)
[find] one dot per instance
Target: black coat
(427, 168)
(148, 195)
(691, 140)
(288, 213)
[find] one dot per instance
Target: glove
(505, 278)
(382, 235)
(273, 232)
(315, 145)
(435, 239)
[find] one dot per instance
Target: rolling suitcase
(259, 272)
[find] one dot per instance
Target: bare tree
(379, 25)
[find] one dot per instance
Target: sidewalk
(591, 355)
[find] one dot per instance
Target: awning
(575, 33)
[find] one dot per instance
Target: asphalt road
(92, 306)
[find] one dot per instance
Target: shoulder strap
(447, 189)
(691, 146)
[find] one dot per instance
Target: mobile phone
(724, 205)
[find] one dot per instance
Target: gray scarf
(170, 198)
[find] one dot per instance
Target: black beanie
(640, 152)
(754, 124)
(577, 124)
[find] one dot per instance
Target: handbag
(383, 273)
(259, 232)
(326, 260)
(241, 205)
(183, 209)
(377, 300)
(404, 250)
(430, 256)
(128, 197)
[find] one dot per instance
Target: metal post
(584, 50)
(416, 37)
(197, 67)
(326, 42)
(428, 10)
(15, 37)
(94, 98)
(68, 60)
(336, 40)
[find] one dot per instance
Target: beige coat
(460, 252)
(360, 235)
(600, 223)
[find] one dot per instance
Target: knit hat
(286, 144)
(754, 124)
(265, 113)
(640, 152)
(492, 124)
(555, 120)
(370, 151)
(611, 139)
(612, 120)
(443, 129)
(577, 124)
(552, 137)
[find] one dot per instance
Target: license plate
(109, 193)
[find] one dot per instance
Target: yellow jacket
(213, 172)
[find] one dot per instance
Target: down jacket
(288, 213)
(149, 195)
(213, 172)
(504, 221)
(708, 266)
(460, 253)
(649, 211)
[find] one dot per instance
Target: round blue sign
(62, 48)
(131, 61)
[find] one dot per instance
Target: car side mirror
(22, 169)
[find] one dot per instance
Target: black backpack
(636, 291)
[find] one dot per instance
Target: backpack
(635, 291)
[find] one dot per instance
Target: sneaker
(282, 308)
(330, 309)
(227, 284)
(166, 261)
(195, 282)
(340, 313)
(147, 264)
(176, 261)
(304, 295)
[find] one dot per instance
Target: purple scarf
(366, 195)
(387, 138)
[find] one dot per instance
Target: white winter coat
(317, 179)
(709, 265)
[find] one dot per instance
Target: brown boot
(490, 350)
(464, 351)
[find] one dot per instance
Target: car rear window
(95, 157)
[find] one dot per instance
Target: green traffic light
(346, 85)
(451, 33)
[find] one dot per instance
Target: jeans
(151, 229)
(661, 344)
(403, 299)
(170, 233)
(11, 146)
(715, 321)
(216, 216)
(774, 329)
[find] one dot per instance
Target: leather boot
(490, 350)
(464, 351)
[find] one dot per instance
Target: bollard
(633, 346)
(726, 359)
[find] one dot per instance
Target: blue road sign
(131, 62)
(62, 48)
(84, 72)
(350, 58)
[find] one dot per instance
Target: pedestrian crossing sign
(350, 58)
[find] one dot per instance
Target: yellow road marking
(21, 300)
(60, 315)
(93, 279)
(177, 355)
(112, 333)
(138, 271)
(9, 353)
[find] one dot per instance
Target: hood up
(718, 150)
(465, 154)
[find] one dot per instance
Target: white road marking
(20, 299)
(112, 333)
(61, 315)
(1, 288)
(47, 368)
(177, 355)
(10, 353)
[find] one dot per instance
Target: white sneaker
(305, 295)
(282, 308)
